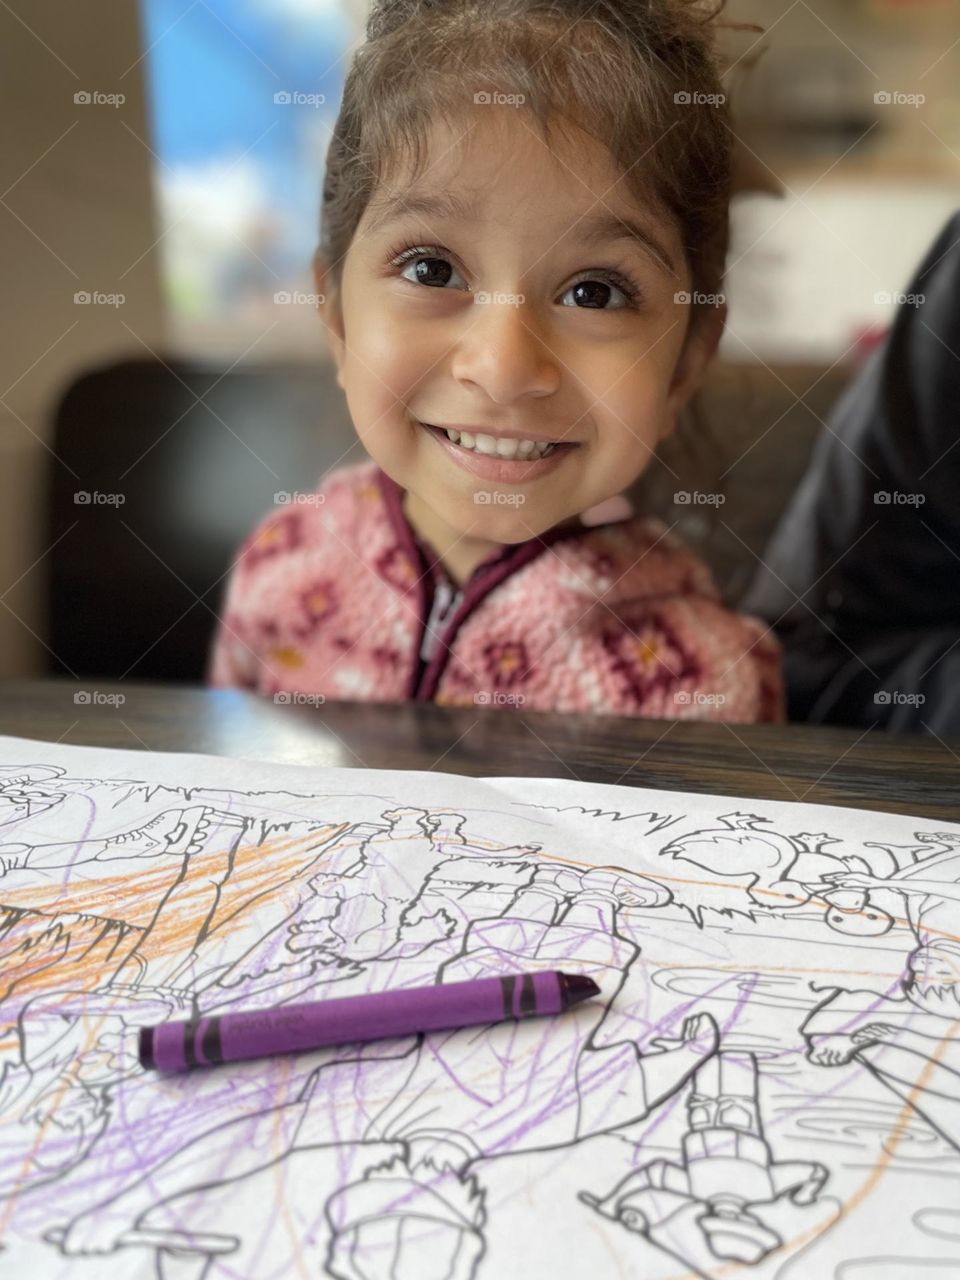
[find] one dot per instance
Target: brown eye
(430, 266)
(433, 272)
(594, 293)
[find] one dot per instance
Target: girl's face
(529, 311)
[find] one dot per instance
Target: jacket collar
(490, 571)
(488, 574)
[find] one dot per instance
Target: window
(243, 95)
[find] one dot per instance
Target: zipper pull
(446, 600)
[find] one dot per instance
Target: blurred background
(163, 370)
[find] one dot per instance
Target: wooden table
(868, 769)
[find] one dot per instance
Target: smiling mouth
(505, 449)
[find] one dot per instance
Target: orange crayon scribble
(115, 911)
(256, 870)
(84, 946)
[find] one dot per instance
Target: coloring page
(768, 1085)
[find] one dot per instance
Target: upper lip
(499, 433)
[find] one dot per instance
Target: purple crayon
(262, 1033)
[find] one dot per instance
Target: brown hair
(640, 76)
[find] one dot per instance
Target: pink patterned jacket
(336, 595)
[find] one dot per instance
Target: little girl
(525, 214)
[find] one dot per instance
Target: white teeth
(502, 447)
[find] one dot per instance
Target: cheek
(630, 387)
(380, 378)
(378, 363)
(630, 421)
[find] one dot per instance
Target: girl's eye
(432, 271)
(593, 292)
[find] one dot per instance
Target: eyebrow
(601, 227)
(441, 204)
(591, 229)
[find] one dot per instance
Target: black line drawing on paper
(709, 1206)
(907, 1036)
(694, 1094)
(781, 872)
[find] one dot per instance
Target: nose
(501, 353)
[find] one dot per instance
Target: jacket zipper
(446, 601)
(445, 598)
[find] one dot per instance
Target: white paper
(769, 1084)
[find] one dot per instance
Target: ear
(331, 311)
(706, 330)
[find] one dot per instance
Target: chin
(507, 526)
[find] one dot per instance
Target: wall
(77, 217)
(868, 185)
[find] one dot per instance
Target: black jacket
(861, 579)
